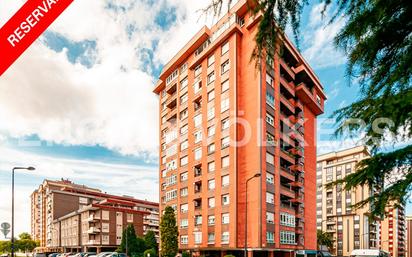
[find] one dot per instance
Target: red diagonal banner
(25, 26)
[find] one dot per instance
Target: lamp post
(12, 204)
(247, 181)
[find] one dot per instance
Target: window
(270, 158)
(211, 202)
(184, 208)
(269, 79)
(225, 199)
(211, 77)
(184, 129)
(270, 198)
(184, 240)
(270, 217)
(225, 142)
(183, 83)
(270, 178)
(287, 237)
(211, 60)
(172, 76)
(211, 184)
(210, 113)
(270, 237)
(270, 139)
(184, 223)
(225, 47)
(198, 220)
(287, 219)
(184, 145)
(211, 167)
(198, 120)
(225, 85)
(225, 237)
(197, 87)
(224, 105)
(170, 195)
(183, 176)
(183, 114)
(183, 98)
(183, 192)
(198, 136)
(211, 238)
(198, 154)
(183, 68)
(225, 218)
(198, 70)
(225, 124)
(211, 220)
(211, 148)
(225, 67)
(225, 180)
(211, 131)
(270, 99)
(225, 162)
(211, 95)
(183, 161)
(172, 165)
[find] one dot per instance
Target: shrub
(152, 253)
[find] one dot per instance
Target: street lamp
(12, 204)
(247, 181)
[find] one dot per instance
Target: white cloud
(111, 104)
(318, 39)
(138, 181)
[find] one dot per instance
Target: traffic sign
(5, 228)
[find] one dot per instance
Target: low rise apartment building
(54, 200)
(97, 227)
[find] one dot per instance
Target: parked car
(39, 255)
(369, 253)
(323, 254)
(117, 255)
(53, 255)
(102, 254)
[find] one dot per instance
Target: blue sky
(78, 104)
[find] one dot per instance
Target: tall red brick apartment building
(222, 121)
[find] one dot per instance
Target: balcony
(287, 69)
(308, 98)
(287, 191)
(289, 104)
(298, 198)
(296, 151)
(93, 242)
(172, 101)
(93, 218)
(297, 167)
(287, 156)
(289, 86)
(93, 230)
(297, 184)
(287, 173)
(299, 105)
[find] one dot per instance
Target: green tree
(152, 252)
(377, 40)
(5, 246)
(130, 242)
(24, 236)
(150, 241)
(324, 239)
(168, 233)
